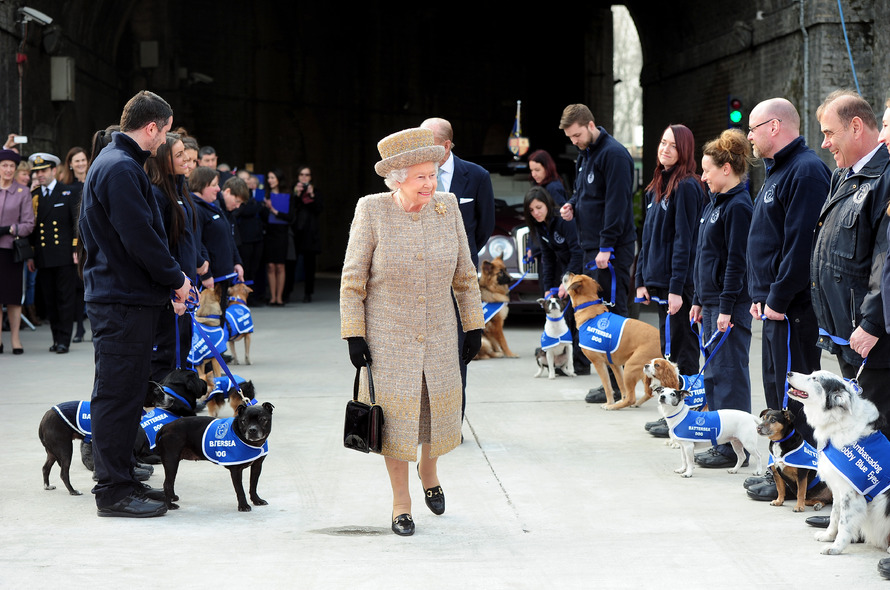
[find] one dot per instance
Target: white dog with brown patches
(854, 458)
(688, 428)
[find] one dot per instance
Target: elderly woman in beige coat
(407, 254)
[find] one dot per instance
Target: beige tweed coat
(395, 291)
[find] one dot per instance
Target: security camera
(30, 14)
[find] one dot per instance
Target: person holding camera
(307, 241)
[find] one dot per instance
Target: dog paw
(687, 475)
(776, 502)
(257, 501)
(680, 470)
(798, 509)
(824, 537)
(243, 507)
(831, 550)
(552, 377)
(75, 493)
(733, 470)
(818, 506)
(49, 487)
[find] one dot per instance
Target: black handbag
(21, 249)
(363, 430)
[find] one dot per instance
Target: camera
(31, 14)
(19, 139)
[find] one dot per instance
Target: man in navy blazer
(471, 184)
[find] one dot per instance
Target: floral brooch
(441, 209)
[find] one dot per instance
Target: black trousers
(59, 289)
(684, 342)
(122, 339)
(163, 355)
(805, 358)
(874, 387)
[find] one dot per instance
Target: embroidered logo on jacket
(221, 446)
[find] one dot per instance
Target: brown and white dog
(238, 294)
(664, 373)
(853, 458)
(638, 344)
(494, 287)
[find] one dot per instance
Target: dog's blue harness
(238, 319)
(863, 464)
(200, 350)
(489, 310)
(698, 427)
(152, 421)
(222, 385)
(77, 416)
(602, 333)
(695, 385)
(803, 457)
(548, 342)
(221, 446)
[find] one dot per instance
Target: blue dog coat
(862, 463)
(698, 427)
(489, 310)
(77, 416)
(152, 421)
(223, 385)
(602, 333)
(803, 457)
(238, 319)
(696, 388)
(548, 342)
(219, 335)
(221, 446)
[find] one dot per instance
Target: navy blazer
(55, 225)
(471, 184)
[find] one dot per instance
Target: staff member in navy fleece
(779, 248)
(560, 253)
(129, 275)
(602, 207)
(664, 266)
(721, 291)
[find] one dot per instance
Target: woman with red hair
(544, 174)
(675, 198)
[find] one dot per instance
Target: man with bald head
(471, 184)
(850, 246)
(779, 246)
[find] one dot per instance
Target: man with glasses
(779, 247)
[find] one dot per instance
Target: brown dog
(637, 345)
(238, 294)
(208, 314)
(494, 286)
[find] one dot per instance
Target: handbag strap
(370, 384)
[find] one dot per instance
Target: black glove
(472, 344)
(4, 229)
(359, 353)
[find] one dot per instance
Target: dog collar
(237, 300)
(588, 304)
(172, 393)
(560, 318)
(790, 434)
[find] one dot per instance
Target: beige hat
(407, 148)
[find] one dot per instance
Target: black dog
(183, 389)
(67, 421)
(234, 443)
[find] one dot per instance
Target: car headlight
(500, 245)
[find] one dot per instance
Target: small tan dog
(208, 314)
(494, 286)
(636, 343)
(238, 294)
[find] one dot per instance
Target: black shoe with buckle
(435, 500)
(403, 525)
(136, 505)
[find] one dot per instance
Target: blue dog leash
(667, 323)
(592, 266)
(836, 340)
(527, 260)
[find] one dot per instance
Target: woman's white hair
(398, 176)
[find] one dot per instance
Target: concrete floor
(546, 492)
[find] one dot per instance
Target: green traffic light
(735, 116)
